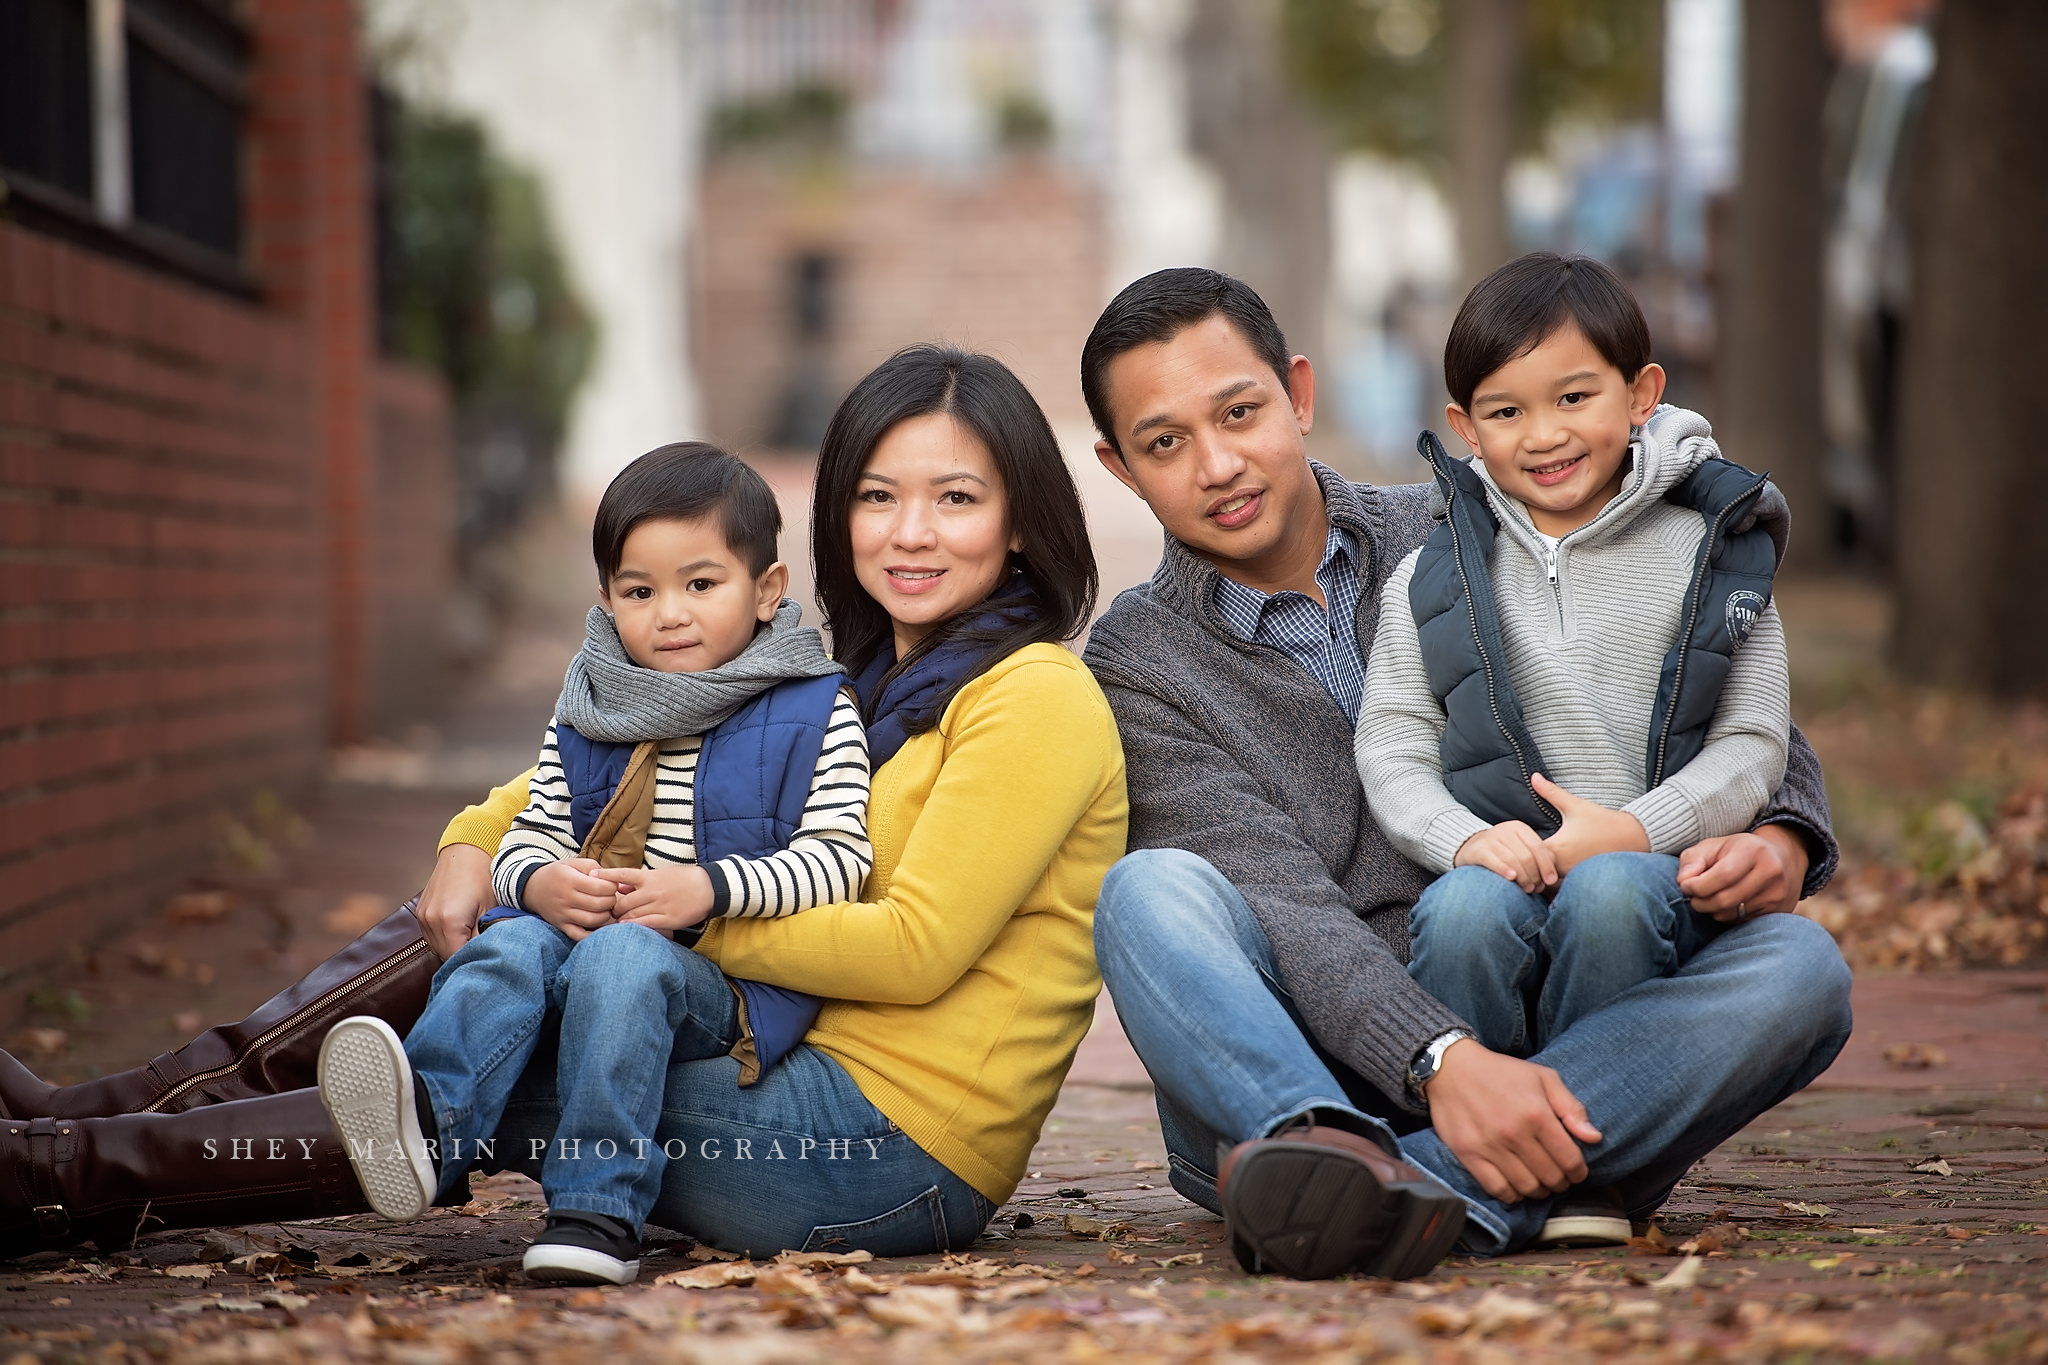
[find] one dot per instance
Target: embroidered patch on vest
(1742, 610)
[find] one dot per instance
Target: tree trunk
(1486, 67)
(1770, 340)
(1272, 158)
(1968, 522)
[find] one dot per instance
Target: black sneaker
(584, 1248)
(1587, 1216)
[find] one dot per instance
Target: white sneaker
(366, 1084)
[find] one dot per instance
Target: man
(1255, 943)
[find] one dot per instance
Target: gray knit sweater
(1585, 630)
(1236, 753)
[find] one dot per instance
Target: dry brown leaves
(1979, 896)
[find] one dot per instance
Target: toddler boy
(704, 759)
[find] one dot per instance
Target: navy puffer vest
(753, 777)
(1487, 751)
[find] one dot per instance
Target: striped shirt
(827, 859)
(1323, 642)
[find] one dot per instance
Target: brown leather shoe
(1312, 1202)
(271, 1159)
(386, 972)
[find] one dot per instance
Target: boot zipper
(355, 984)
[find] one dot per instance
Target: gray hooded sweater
(1585, 628)
(1237, 754)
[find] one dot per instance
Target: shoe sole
(553, 1263)
(1312, 1213)
(1585, 1230)
(366, 1084)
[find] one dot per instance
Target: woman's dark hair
(687, 480)
(1510, 313)
(1160, 307)
(981, 394)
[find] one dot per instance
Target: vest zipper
(1692, 616)
(403, 957)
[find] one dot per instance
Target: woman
(952, 556)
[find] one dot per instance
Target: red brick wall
(226, 531)
(1009, 261)
(162, 609)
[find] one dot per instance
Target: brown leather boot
(271, 1159)
(386, 972)
(1312, 1202)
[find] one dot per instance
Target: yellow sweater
(956, 994)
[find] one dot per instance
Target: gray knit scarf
(607, 696)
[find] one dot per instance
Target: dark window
(186, 91)
(46, 92)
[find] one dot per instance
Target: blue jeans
(485, 1011)
(628, 1000)
(1484, 946)
(799, 1160)
(1668, 1069)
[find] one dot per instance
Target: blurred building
(225, 522)
(879, 174)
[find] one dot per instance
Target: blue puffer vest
(753, 776)
(1487, 751)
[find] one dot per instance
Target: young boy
(704, 759)
(1577, 677)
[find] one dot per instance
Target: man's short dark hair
(1512, 311)
(1159, 308)
(686, 481)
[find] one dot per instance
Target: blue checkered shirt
(1324, 643)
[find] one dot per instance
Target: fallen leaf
(1014, 1289)
(45, 1042)
(358, 913)
(1185, 1258)
(714, 1276)
(1441, 1319)
(932, 1307)
(815, 1260)
(783, 1279)
(1148, 1166)
(1800, 1206)
(1915, 1056)
(196, 907)
(1121, 1257)
(1497, 1311)
(1934, 1166)
(191, 1272)
(957, 1270)
(701, 1252)
(854, 1280)
(1684, 1275)
(1080, 1225)
(1960, 1234)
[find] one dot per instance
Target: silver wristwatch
(1423, 1069)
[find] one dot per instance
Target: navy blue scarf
(912, 698)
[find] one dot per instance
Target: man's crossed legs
(1667, 1070)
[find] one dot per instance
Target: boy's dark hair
(685, 481)
(1511, 312)
(1160, 307)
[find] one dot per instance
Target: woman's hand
(1588, 829)
(572, 895)
(664, 898)
(1512, 849)
(1739, 876)
(456, 894)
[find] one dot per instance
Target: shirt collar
(1244, 606)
